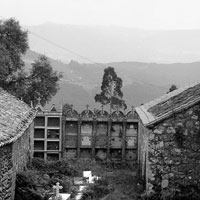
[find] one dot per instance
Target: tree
(41, 81)
(111, 93)
(13, 43)
(172, 88)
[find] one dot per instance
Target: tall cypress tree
(111, 93)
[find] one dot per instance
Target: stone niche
(38, 145)
(53, 134)
(39, 133)
(115, 154)
(39, 121)
(101, 134)
(52, 145)
(116, 135)
(71, 128)
(86, 153)
(53, 122)
(70, 153)
(86, 128)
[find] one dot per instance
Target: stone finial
(102, 108)
(87, 107)
(132, 109)
(61, 106)
(117, 107)
(57, 187)
(110, 108)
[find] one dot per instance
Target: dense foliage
(111, 93)
(41, 81)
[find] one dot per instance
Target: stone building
(170, 139)
(97, 135)
(16, 130)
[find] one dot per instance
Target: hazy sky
(147, 14)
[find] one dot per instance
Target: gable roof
(15, 117)
(169, 104)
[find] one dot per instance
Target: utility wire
(63, 48)
(57, 45)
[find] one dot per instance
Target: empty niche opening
(52, 145)
(38, 155)
(101, 141)
(38, 145)
(116, 142)
(102, 128)
(52, 156)
(131, 155)
(53, 134)
(71, 141)
(71, 128)
(54, 121)
(116, 154)
(39, 133)
(39, 121)
(86, 153)
(70, 153)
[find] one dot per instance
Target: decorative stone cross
(57, 187)
(87, 106)
(39, 100)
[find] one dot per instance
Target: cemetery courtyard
(116, 181)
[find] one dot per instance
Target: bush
(97, 190)
(26, 187)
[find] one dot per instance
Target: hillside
(111, 43)
(142, 81)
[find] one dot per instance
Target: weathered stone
(178, 165)
(13, 159)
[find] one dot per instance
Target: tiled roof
(15, 117)
(168, 104)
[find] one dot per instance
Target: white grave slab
(87, 174)
(65, 196)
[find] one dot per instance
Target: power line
(57, 45)
(63, 48)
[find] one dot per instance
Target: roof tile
(15, 117)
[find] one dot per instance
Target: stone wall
(13, 159)
(174, 151)
(142, 148)
(6, 172)
(22, 152)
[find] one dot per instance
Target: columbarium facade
(90, 134)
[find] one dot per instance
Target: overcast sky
(147, 14)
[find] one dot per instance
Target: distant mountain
(109, 43)
(142, 82)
